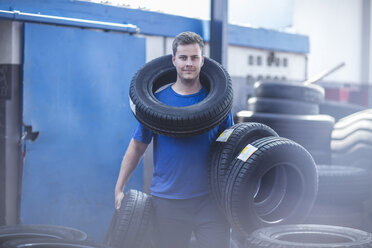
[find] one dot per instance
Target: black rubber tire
(180, 121)
(337, 215)
(338, 110)
(130, 225)
(321, 156)
(49, 243)
(311, 131)
(296, 197)
(306, 236)
(269, 191)
(225, 150)
(282, 106)
(194, 243)
(360, 155)
(285, 90)
(10, 232)
(342, 185)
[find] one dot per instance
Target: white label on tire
(224, 136)
(247, 152)
(132, 106)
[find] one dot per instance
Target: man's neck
(187, 87)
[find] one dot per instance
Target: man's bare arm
(130, 161)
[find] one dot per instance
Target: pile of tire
(341, 195)
(344, 186)
(351, 146)
(292, 110)
(352, 140)
(30, 235)
(306, 236)
(258, 178)
(342, 190)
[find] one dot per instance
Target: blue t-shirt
(180, 163)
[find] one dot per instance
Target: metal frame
(366, 40)
(218, 25)
(29, 17)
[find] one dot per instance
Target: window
(259, 60)
(251, 60)
(285, 62)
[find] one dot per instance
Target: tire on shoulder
(180, 121)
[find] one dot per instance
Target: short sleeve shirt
(180, 163)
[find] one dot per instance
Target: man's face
(188, 61)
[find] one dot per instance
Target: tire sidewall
(304, 166)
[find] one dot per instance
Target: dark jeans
(174, 220)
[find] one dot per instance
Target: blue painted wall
(152, 23)
(76, 84)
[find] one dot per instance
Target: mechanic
(179, 189)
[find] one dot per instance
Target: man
(179, 187)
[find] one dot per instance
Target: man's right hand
(118, 198)
(132, 156)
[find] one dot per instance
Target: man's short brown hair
(187, 38)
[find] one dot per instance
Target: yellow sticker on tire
(247, 152)
(224, 136)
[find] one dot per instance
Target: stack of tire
(342, 192)
(291, 109)
(259, 179)
(351, 146)
(352, 140)
(16, 236)
(344, 187)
